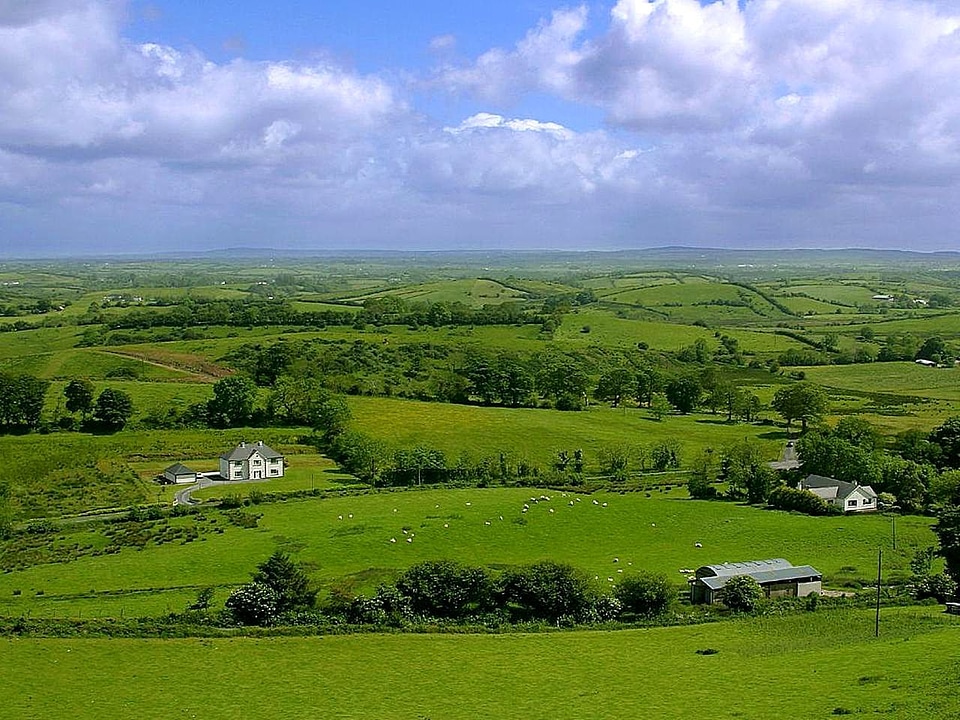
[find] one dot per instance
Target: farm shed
(179, 474)
(777, 578)
(849, 497)
(251, 462)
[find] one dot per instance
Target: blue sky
(135, 126)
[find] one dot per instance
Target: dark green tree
(21, 402)
(288, 580)
(684, 392)
(947, 438)
(232, 402)
(801, 401)
(546, 590)
(79, 394)
(446, 589)
(113, 409)
(615, 384)
(948, 532)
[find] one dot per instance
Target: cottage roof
(244, 451)
(179, 469)
(820, 483)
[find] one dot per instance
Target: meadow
(354, 542)
(806, 667)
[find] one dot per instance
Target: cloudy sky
(132, 126)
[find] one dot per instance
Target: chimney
(259, 443)
(243, 444)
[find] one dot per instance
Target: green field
(537, 434)
(809, 667)
(657, 533)
(895, 378)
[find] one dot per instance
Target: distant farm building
(849, 497)
(251, 462)
(178, 474)
(777, 578)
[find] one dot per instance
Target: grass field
(355, 553)
(537, 434)
(895, 378)
(809, 667)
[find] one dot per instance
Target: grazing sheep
(699, 545)
(393, 540)
(410, 539)
(339, 517)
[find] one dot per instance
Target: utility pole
(879, 566)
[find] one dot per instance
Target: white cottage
(849, 497)
(251, 462)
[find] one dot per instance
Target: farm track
(194, 374)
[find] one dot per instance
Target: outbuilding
(777, 577)
(179, 474)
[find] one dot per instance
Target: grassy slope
(656, 533)
(538, 434)
(799, 667)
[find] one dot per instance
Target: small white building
(179, 474)
(251, 462)
(849, 497)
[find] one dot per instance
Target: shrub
(804, 501)
(253, 604)
(446, 589)
(645, 594)
(741, 594)
(546, 591)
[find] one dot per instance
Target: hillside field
(806, 667)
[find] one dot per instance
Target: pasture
(806, 667)
(536, 434)
(352, 543)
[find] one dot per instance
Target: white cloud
(795, 121)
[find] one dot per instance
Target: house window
(273, 471)
(851, 503)
(868, 501)
(238, 463)
(256, 462)
(237, 473)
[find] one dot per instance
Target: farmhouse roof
(244, 451)
(179, 469)
(844, 489)
(763, 571)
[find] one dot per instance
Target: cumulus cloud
(791, 121)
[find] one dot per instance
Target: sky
(134, 126)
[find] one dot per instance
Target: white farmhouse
(849, 497)
(251, 462)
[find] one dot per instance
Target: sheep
(409, 539)
(393, 540)
(698, 545)
(339, 517)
